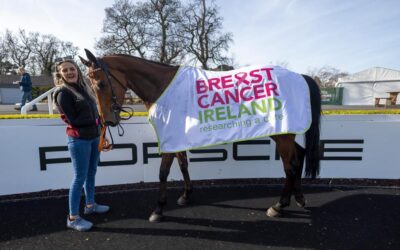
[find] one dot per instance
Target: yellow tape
(48, 116)
(361, 112)
(324, 112)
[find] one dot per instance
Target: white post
(50, 103)
(24, 108)
(47, 94)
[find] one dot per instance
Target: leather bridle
(116, 108)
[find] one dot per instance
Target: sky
(350, 35)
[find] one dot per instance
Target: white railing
(47, 94)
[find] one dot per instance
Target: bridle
(116, 108)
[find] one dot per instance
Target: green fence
(332, 96)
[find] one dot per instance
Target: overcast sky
(351, 35)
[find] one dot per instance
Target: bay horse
(112, 75)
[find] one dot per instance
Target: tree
(166, 31)
(5, 65)
(202, 30)
(19, 47)
(167, 45)
(326, 76)
(125, 30)
(34, 51)
(47, 48)
(148, 30)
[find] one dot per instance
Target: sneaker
(79, 224)
(96, 209)
(33, 109)
(17, 108)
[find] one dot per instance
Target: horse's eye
(101, 85)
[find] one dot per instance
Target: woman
(74, 100)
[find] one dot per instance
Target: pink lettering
(217, 99)
(201, 86)
(227, 82)
(243, 94)
(271, 87)
(256, 75)
(214, 82)
(259, 91)
(268, 71)
(241, 77)
(201, 104)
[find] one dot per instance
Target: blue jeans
(26, 96)
(85, 158)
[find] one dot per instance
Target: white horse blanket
(204, 108)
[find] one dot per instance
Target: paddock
(233, 183)
(221, 216)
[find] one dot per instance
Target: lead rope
(104, 143)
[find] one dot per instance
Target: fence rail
(48, 94)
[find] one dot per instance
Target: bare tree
(326, 76)
(47, 48)
(203, 28)
(5, 65)
(19, 47)
(165, 27)
(149, 30)
(33, 51)
(125, 30)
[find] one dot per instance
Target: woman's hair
(59, 81)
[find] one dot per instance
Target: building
(363, 87)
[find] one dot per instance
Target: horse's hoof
(182, 201)
(272, 212)
(300, 201)
(154, 217)
(301, 204)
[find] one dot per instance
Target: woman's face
(68, 72)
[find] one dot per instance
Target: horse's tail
(312, 148)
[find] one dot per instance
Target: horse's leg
(298, 193)
(166, 162)
(287, 150)
(183, 164)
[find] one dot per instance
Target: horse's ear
(85, 62)
(90, 56)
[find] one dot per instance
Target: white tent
(361, 88)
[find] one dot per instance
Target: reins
(104, 144)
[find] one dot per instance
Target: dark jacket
(25, 82)
(78, 110)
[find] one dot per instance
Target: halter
(104, 145)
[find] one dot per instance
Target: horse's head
(109, 89)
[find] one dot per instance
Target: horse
(112, 75)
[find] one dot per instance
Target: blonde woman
(77, 107)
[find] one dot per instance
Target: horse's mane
(141, 59)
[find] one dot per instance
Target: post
(50, 103)
(47, 94)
